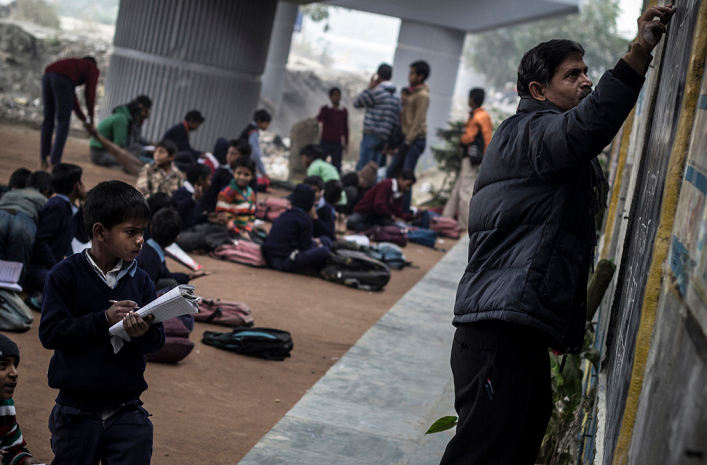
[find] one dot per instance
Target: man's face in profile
(570, 83)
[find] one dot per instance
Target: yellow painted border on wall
(671, 194)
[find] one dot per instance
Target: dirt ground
(214, 406)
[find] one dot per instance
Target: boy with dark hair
(335, 128)
(474, 141)
(319, 229)
(356, 184)
(382, 205)
(18, 179)
(162, 175)
(251, 134)
(60, 221)
(188, 196)
(98, 414)
(115, 128)
(59, 98)
(179, 134)
(224, 174)
(289, 245)
(19, 215)
(325, 225)
(313, 161)
(413, 124)
(165, 227)
(238, 198)
(13, 448)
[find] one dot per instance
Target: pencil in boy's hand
(115, 302)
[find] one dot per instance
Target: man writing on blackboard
(531, 242)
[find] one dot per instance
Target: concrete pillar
(207, 55)
(279, 51)
(441, 48)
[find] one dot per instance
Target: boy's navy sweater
(290, 231)
(73, 324)
(222, 177)
(326, 223)
(186, 206)
(57, 227)
(180, 136)
(149, 260)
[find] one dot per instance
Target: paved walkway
(375, 404)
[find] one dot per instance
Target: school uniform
(378, 206)
(186, 205)
(327, 172)
(152, 261)
(222, 177)
(179, 134)
(325, 224)
(98, 413)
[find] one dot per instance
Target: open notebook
(10, 275)
(177, 302)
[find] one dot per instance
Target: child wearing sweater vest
(98, 414)
(238, 198)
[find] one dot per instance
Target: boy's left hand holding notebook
(123, 310)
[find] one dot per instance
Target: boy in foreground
(98, 414)
(12, 444)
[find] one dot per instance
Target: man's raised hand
(652, 25)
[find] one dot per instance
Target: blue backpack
(422, 236)
(388, 253)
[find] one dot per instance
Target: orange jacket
(479, 122)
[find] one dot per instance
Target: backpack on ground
(395, 234)
(241, 251)
(422, 236)
(445, 227)
(15, 315)
(388, 253)
(282, 185)
(177, 344)
(357, 270)
(269, 209)
(224, 312)
(267, 343)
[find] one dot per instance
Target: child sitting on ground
(98, 414)
(322, 214)
(313, 160)
(223, 177)
(162, 175)
(60, 220)
(188, 196)
(382, 205)
(12, 443)
(326, 226)
(356, 184)
(289, 245)
(238, 198)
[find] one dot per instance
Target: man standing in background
(335, 128)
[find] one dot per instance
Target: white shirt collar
(189, 187)
(110, 278)
(396, 192)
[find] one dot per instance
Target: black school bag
(356, 269)
(267, 343)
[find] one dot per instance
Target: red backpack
(445, 227)
(269, 209)
(224, 312)
(241, 251)
(177, 344)
(394, 234)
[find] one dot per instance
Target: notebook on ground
(177, 302)
(10, 275)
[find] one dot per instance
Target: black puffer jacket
(531, 231)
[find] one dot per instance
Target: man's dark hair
(111, 203)
(165, 226)
(314, 181)
(160, 200)
(64, 177)
(42, 181)
(196, 172)
(332, 191)
(91, 59)
(478, 95)
(193, 116)
(243, 146)
(261, 116)
(540, 62)
(18, 178)
(312, 150)
(168, 145)
(408, 175)
(144, 100)
(334, 89)
(385, 72)
(422, 68)
(244, 161)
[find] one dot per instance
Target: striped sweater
(12, 441)
(240, 204)
(383, 109)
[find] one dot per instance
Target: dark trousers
(315, 257)
(58, 97)
(17, 232)
(335, 151)
(505, 427)
(362, 221)
(409, 161)
(81, 437)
